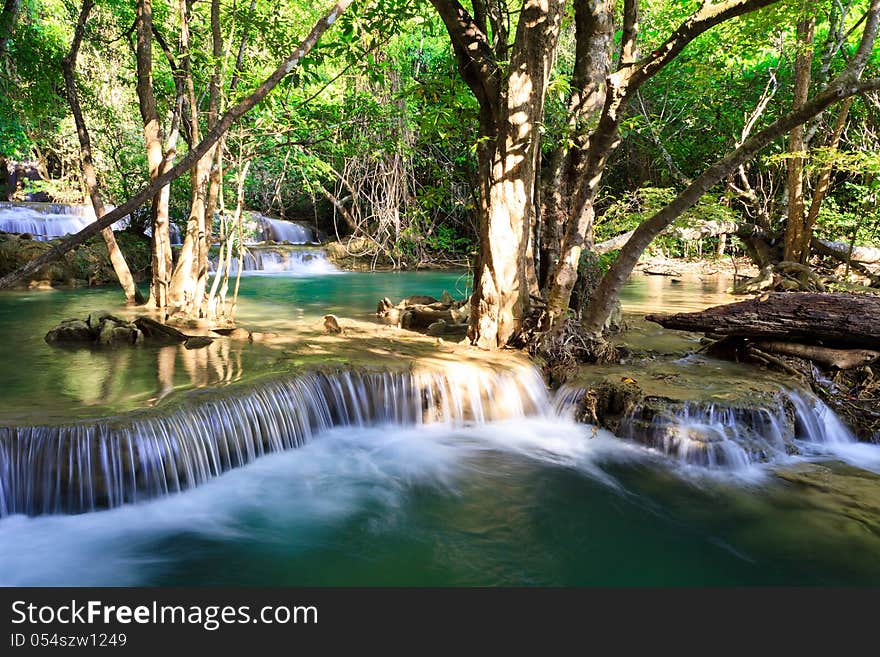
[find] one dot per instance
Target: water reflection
(218, 363)
(645, 294)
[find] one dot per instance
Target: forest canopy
(723, 127)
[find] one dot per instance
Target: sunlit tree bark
(511, 111)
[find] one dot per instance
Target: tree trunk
(832, 320)
(156, 156)
(594, 39)
(90, 176)
(824, 180)
(8, 16)
(619, 87)
(794, 228)
(189, 280)
(845, 85)
(511, 112)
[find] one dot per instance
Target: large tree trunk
(794, 227)
(619, 86)
(156, 156)
(833, 320)
(511, 112)
(594, 39)
(90, 176)
(189, 280)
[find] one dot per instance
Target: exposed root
(564, 348)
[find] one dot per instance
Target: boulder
(70, 331)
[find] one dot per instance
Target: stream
(501, 488)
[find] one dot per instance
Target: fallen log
(834, 320)
(840, 250)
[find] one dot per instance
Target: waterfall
(278, 260)
(44, 221)
(84, 466)
(713, 435)
(737, 434)
(283, 230)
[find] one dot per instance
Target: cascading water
(45, 221)
(283, 230)
(729, 436)
(711, 435)
(85, 466)
(302, 262)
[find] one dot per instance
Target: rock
(240, 334)
(446, 298)
(95, 318)
(105, 331)
(437, 328)
(384, 306)
(462, 314)
(331, 325)
(159, 333)
(125, 335)
(71, 331)
(417, 300)
(197, 342)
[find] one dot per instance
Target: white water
(46, 221)
(727, 439)
(822, 434)
(84, 466)
(289, 499)
(295, 499)
(282, 230)
(285, 262)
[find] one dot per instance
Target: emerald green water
(534, 501)
(58, 384)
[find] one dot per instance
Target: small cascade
(295, 262)
(85, 466)
(46, 221)
(174, 234)
(816, 423)
(283, 230)
(737, 434)
(712, 435)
